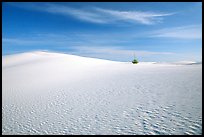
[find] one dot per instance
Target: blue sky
(153, 31)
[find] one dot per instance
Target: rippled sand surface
(49, 93)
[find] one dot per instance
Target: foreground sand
(51, 93)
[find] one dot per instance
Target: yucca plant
(134, 61)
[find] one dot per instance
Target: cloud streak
(184, 32)
(115, 51)
(100, 15)
(18, 41)
(146, 18)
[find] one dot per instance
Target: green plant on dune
(135, 60)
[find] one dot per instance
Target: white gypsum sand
(52, 93)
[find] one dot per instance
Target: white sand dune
(53, 93)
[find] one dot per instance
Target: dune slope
(52, 93)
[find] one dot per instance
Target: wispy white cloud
(184, 32)
(19, 41)
(115, 51)
(135, 16)
(35, 41)
(81, 14)
(100, 15)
